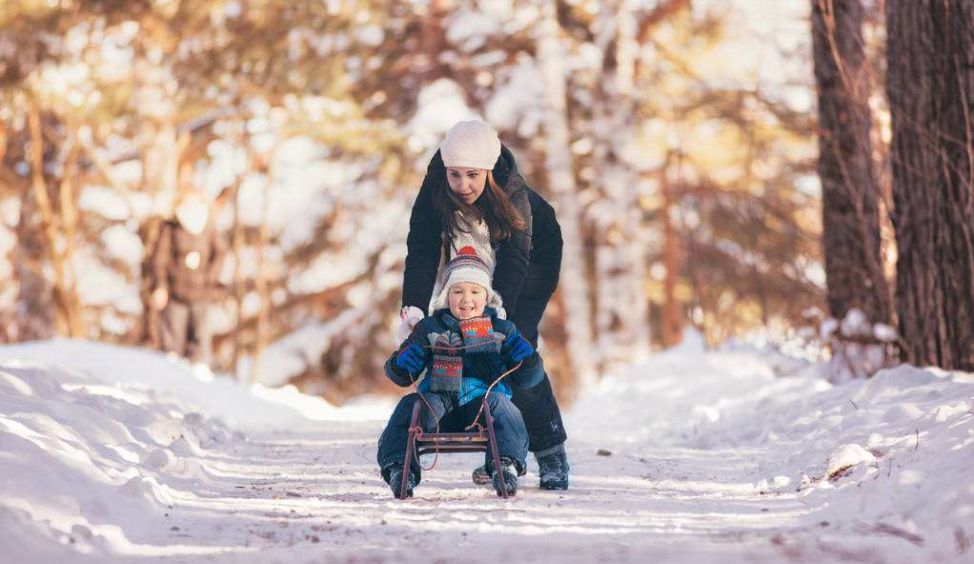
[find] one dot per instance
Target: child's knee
(406, 403)
(409, 399)
(500, 403)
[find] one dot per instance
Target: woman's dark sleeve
(514, 256)
(530, 374)
(423, 248)
(547, 242)
(531, 371)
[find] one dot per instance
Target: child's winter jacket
(466, 357)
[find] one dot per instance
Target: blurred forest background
(678, 140)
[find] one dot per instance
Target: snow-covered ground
(110, 454)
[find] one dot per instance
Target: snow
(255, 408)
(113, 454)
(469, 30)
(828, 328)
(105, 202)
(855, 324)
(847, 457)
(884, 332)
(516, 104)
(121, 243)
(371, 35)
(440, 105)
(292, 355)
(100, 285)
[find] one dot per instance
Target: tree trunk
(671, 323)
(433, 42)
(239, 286)
(954, 26)
(621, 318)
(35, 297)
(57, 230)
(262, 285)
(930, 84)
(159, 155)
(561, 178)
(151, 330)
(850, 192)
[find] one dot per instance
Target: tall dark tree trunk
(850, 192)
(931, 91)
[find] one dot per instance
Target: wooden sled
(421, 442)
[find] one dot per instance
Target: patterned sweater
(453, 364)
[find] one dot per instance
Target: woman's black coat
(534, 254)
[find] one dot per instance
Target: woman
(474, 195)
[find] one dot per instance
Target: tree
(725, 189)
(621, 303)
(314, 115)
(561, 176)
(930, 84)
(850, 192)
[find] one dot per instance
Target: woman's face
(467, 183)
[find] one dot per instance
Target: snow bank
(194, 387)
(891, 455)
(98, 443)
(81, 457)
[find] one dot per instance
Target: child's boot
(553, 469)
(480, 476)
(508, 474)
(395, 482)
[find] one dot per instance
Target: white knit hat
(471, 144)
(466, 267)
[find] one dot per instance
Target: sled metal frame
(421, 442)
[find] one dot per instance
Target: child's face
(467, 300)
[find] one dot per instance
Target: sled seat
(421, 442)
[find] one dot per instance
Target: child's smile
(467, 300)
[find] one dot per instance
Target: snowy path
(708, 470)
(300, 497)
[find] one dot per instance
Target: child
(464, 347)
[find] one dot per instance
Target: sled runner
(421, 442)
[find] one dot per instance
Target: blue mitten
(516, 348)
(411, 358)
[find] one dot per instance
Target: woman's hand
(409, 316)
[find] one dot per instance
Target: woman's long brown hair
(493, 206)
